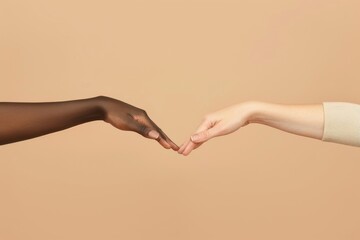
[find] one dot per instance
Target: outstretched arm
(21, 121)
(304, 120)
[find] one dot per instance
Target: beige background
(179, 60)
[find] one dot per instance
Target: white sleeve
(342, 123)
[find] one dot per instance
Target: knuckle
(208, 118)
(143, 129)
(220, 128)
(143, 112)
(140, 112)
(206, 134)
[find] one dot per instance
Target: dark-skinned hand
(129, 118)
(21, 121)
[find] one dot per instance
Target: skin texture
(21, 121)
(303, 120)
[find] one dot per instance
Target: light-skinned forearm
(304, 120)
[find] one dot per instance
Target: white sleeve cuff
(342, 123)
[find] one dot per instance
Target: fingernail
(194, 138)
(153, 134)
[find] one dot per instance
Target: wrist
(99, 107)
(254, 111)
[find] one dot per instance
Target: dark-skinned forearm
(21, 121)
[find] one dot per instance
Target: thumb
(203, 136)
